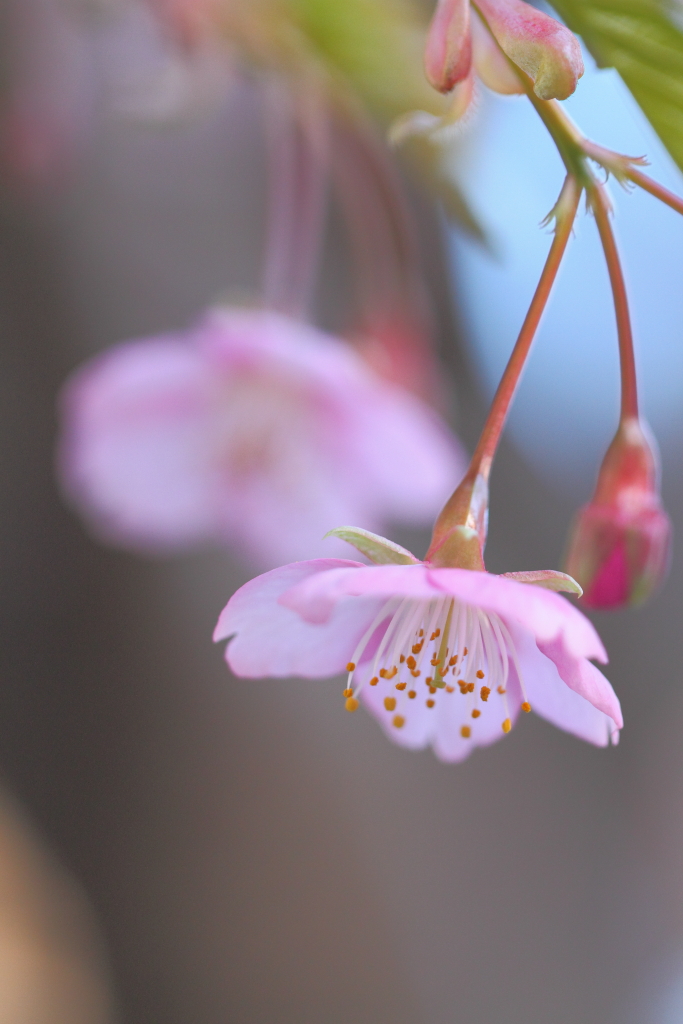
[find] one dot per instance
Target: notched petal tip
(378, 549)
(551, 579)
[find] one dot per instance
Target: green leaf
(551, 579)
(643, 41)
(378, 549)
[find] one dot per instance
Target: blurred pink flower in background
(47, 93)
(252, 429)
(441, 657)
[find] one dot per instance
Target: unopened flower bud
(538, 44)
(448, 52)
(619, 544)
(492, 66)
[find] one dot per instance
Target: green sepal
(551, 579)
(378, 549)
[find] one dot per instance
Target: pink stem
(566, 208)
(629, 389)
(298, 165)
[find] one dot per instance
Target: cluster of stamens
(432, 650)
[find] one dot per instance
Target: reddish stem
(565, 212)
(655, 189)
(629, 389)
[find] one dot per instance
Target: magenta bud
(620, 541)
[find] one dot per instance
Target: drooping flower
(441, 656)
(252, 429)
(620, 542)
(538, 44)
(442, 652)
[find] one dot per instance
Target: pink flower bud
(448, 53)
(490, 62)
(547, 51)
(620, 542)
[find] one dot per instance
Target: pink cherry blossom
(441, 657)
(252, 429)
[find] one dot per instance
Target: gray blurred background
(245, 852)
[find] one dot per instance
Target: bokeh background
(181, 847)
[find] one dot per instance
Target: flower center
(434, 652)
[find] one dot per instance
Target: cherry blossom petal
(552, 699)
(132, 454)
(269, 639)
(582, 677)
(316, 597)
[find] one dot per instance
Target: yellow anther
(465, 732)
(374, 681)
(415, 672)
(351, 704)
(526, 706)
(348, 692)
(400, 686)
(437, 632)
(501, 690)
(402, 658)
(476, 713)
(421, 633)
(383, 673)
(416, 648)
(464, 651)
(350, 667)
(507, 725)
(450, 689)
(432, 689)
(410, 662)
(429, 680)
(461, 683)
(430, 703)
(453, 660)
(398, 721)
(390, 703)
(470, 687)
(484, 692)
(412, 694)
(480, 674)
(435, 660)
